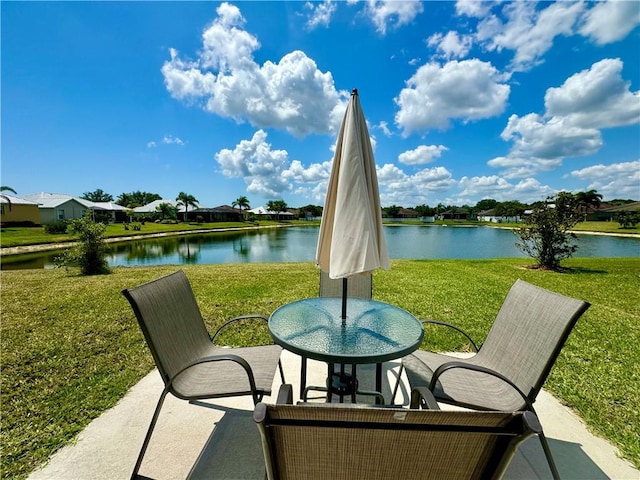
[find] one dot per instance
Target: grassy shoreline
(72, 352)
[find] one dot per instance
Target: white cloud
(259, 165)
(467, 90)
(618, 180)
(527, 31)
(320, 13)
(498, 188)
(595, 98)
(396, 187)
(151, 144)
(292, 94)
(610, 21)
(385, 128)
(268, 172)
(170, 139)
(587, 102)
(422, 154)
(451, 45)
(392, 13)
(473, 8)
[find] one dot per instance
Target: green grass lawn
(71, 347)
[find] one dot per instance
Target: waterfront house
(18, 211)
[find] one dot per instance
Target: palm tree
(7, 189)
(185, 200)
(588, 199)
(242, 203)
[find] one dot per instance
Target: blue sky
(464, 100)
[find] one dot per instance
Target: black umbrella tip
(354, 91)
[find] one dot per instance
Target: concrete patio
(217, 439)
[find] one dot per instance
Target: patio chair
(352, 442)
(510, 367)
(358, 286)
(190, 364)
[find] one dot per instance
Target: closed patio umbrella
(351, 240)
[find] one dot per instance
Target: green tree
(90, 252)
(137, 199)
(7, 189)
(242, 203)
(510, 208)
(185, 200)
(546, 236)
(585, 200)
(97, 196)
(628, 219)
(391, 212)
(277, 206)
(425, 211)
(311, 211)
(166, 211)
(485, 204)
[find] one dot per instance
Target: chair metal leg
(547, 453)
(395, 389)
(303, 377)
(147, 437)
(281, 371)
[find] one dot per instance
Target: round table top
(373, 331)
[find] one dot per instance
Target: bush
(200, 219)
(628, 219)
(546, 236)
(56, 227)
(90, 252)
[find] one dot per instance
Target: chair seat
(221, 379)
(488, 393)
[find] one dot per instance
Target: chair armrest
(468, 366)
(285, 394)
(221, 358)
(421, 397)
(236, 319)
(444, 324)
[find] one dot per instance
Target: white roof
(264, 211)
(15, 200)
(151, 207)
(52, 200)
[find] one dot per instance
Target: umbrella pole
(344, 298)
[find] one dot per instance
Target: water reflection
(298, 244)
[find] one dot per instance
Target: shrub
(546, 236)
(628, 219)
(90, 252)
(200, 219)
(56, 227)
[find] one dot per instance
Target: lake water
(298, 244)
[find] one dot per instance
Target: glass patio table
(373, 332)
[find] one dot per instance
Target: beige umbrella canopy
(351, 240)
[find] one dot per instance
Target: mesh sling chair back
(510, 367)
(192, 367)
(352, 442)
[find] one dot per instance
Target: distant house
(490, 216)
(153, 206)
(19, 212)
(54, 207)
(263, 212)
(223, 213)
(455, 214)
(407, 213)
(608, 212)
